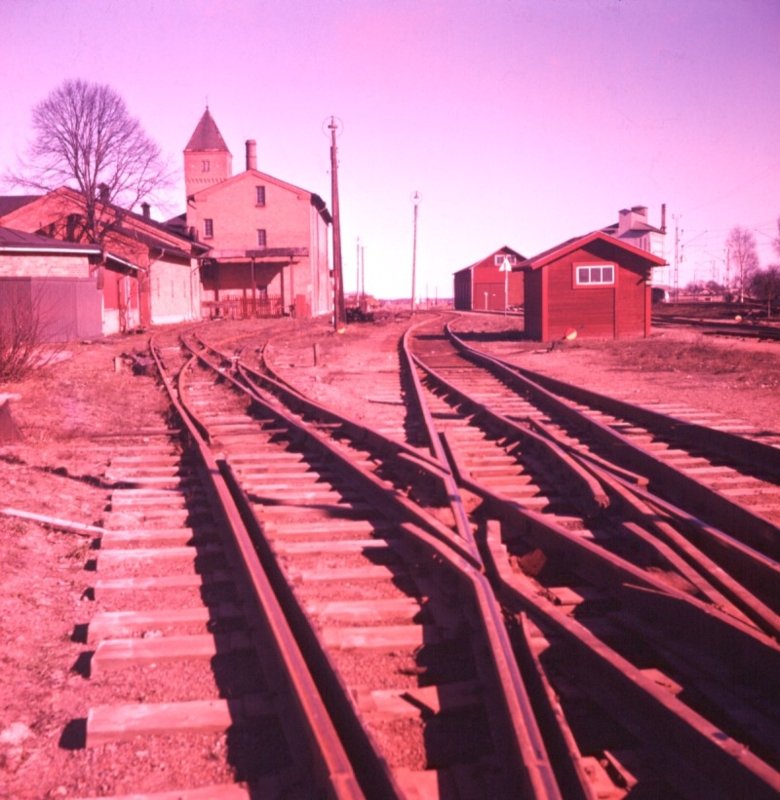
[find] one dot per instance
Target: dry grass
(697, 356)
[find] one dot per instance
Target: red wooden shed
(484, 286)
(594, 286)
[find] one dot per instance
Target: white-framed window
(498, 259)
(262, 239)
(594, 274)
(208, 228)
(205, 166)
(260, 195)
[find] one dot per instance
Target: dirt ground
(69, 414)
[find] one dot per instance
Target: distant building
(267, 239)
(484, 286)
(632, 227)
(145, 274)
(592, 286)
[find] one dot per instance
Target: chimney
(663, 217)
(624, 221)
(251, 154)
(145, 210)
(103, 192)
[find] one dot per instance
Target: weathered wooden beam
(53, 522)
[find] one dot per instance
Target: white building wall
(172, 290)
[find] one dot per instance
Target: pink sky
(521, 122)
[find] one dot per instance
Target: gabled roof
(255, 175)
(12, 240)
(206, 136)
(639, 229)
(134, 226)
(570, 245)
(11, 202)
(505, 249)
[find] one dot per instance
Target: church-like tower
(207, 159)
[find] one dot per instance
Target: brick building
(267, 239)
(146, 275)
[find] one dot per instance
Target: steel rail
(751, 528)
(754, 583)
(746, 330)
(751, 569)
(750, 653)
(735, 447)
(329, 759)
(524, 747)
(612, 571)
(533, 748)
(597, 481)
(382, 448)
(642, 600)
(704, 579)
(696, 756)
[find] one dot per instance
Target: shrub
(21, 346)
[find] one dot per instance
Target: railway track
(559, 518)
(604, 591)
(480, 602)
(719, 478)
(766, 332)
(387, 601)
(194, 662)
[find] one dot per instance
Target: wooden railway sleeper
(695, 757)
(739, 521)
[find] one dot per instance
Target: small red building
(595, 285)
(490, 284)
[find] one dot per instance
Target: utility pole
(416, 198)
(362, 272)
(357, 277)
(339, 310)
(676, 277)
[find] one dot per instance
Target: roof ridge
(206, 135)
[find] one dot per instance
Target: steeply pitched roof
(126, 223)
(20, 241)
(11, 202)
(560, 250)
(505, 249)
(206, 136)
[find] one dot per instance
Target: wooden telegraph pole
(416, 197)
(339, 309)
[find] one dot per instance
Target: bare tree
(776, 242)
(741, 246)
(765, 286)
(86, 139)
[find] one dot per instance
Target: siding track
(386, 595)
(190, 644)
(481, 592)
(577, 541)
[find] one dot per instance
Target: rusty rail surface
(713, 506)
(673, 621)
(680, 629)
(342, 442)
(327, 755)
